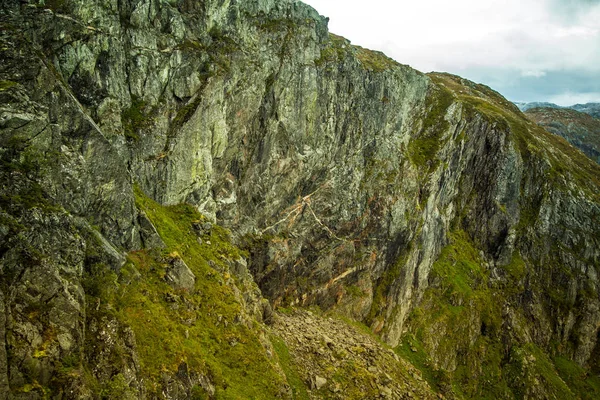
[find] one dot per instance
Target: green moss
(458, 292)
(334, 50)
(374, 61)
(221, 50)
(354, 380)
(59, 6)
(190, 45)
(199, 327)
(20, 163)
(117, 388)
(135, 118)
(184, 114)
(516, 268)
(423, 148)
(530, 367)
(584, 384)
(274, 25)
(412, 350)
(297, 385)
(355, 291)
(32, 196)
(5, 85)
(458, 266)
(198, 393)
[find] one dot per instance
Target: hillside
(223, 200)
(578, 128)
(592, 109)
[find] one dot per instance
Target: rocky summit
(220, 199)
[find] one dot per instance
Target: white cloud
(533, 73)
(569, 99)
(532, 37)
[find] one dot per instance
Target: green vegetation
(297, 385)
(516, 268)
(117, 388)
(185, 113)
(424, 147)
(355, 291)
(458, 293)
(459, 324)
(412, 350)
(135, 118)
(334, 51)
(58, 6)
(585, 384)
(354, 380)
(20, 163)
(221, 49)
(5, 85)
(530, 366)
(200, 327)
(374, 61)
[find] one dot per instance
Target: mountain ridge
(580, 129)
(592, 109)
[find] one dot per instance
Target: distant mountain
(580, 129)
(592, 109)
(527, 106)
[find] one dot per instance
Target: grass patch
(458, 292)
(334, 50)
(529, 366)
(423, 148)
(583, 383)
(458, 266)
(374, 61)
(5, 85)
(285, 360)
(135, 118)
(412, 350)
(200, 327)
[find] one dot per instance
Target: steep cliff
(426, 207)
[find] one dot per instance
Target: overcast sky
(528, 50)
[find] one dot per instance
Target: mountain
(592, 109)
(580, 129)
(527, 106)
(221, 199)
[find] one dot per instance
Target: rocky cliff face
(578, 128)
(426, 207)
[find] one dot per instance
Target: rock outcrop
(425, 206)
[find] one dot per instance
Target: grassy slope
(198, 328)
(462, 305)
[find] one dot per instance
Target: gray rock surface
(346, 177)
(180, 276)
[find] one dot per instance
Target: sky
(528, 50)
